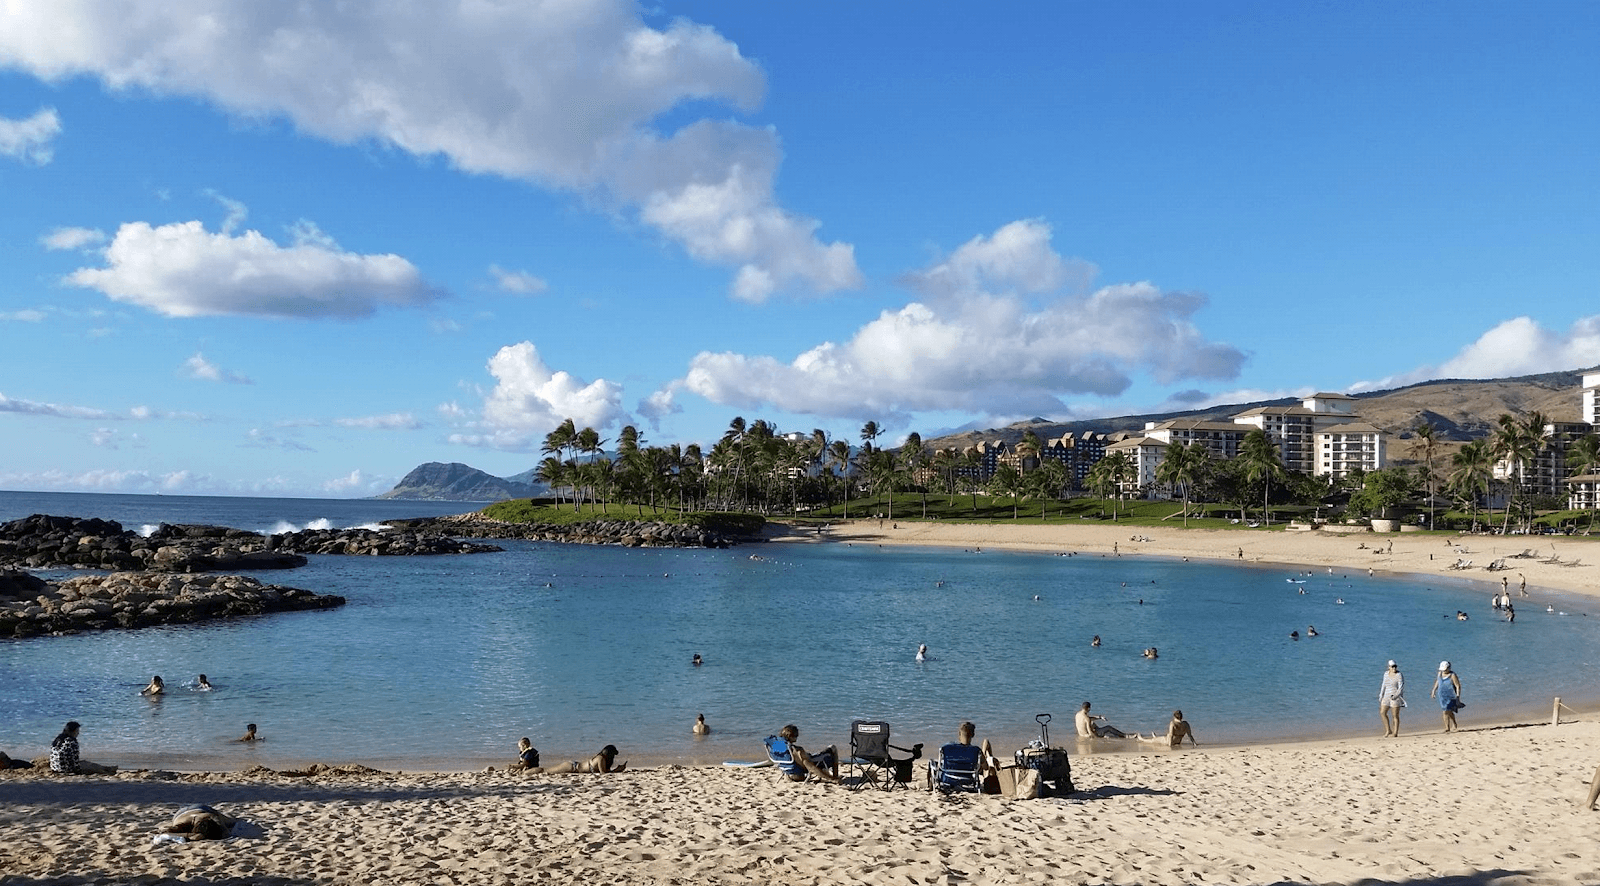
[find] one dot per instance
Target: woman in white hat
(1447, 688)
(1391, 698)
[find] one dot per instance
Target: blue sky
(298, 248)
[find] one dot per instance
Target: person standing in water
(1391, 698)
(156, 687)
(922, 652)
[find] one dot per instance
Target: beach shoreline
(1487, 805)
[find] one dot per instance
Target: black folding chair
(869, 753)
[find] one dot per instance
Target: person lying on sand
(605, 761)
(201, 822)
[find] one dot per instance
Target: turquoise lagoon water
(443, 662)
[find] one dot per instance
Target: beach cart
(1055, 770)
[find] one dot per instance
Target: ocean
(444, 662)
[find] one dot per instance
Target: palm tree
(913, 456)
(733, 438)
(1471, 471)
(1047, 483)
(839, 454)
(1262, 461)
(553, 473)
(588, 442)
(1028, 449)
(1181, 466)
(1112, 473)
(885, 472)
(556, 443)
(1514, 445)
(1583, 457)
(1426, 432)
(1007, 480)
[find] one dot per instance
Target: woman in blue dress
(1447, 688)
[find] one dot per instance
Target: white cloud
(567, 95)
(257, 438)
(198, 367)
(26, 315)
(182, 270)
(354, 481)
(529, 399)
(394, 421)
(1004, 330)
(28, 139)
(1519, 346)
(237, 213)
(30, 407)
(519, 282)
(659, 405)
(73, 238)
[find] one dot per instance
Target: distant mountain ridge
(437, 481)
(1460, 410)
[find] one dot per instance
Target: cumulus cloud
(519, 282)
(29, 139)
(198, 367)
(659, 405)
(1004, 328)
(529, 399)
(183, 270)
(73, 238)
(569, 95)
(355, 481)
(394, 421)
(1519, 346)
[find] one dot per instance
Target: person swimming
(922, 652)
(249, 733)
(1311, 630)
(1096, 641)
(697, 661)
(1151, 653)
(202, 684)
(700, 727)
(156, 687)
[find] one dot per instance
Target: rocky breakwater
(43, 541)
(393, 542)
(140, 599)
(628, 533)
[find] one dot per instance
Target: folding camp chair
(956, 768)
(778, 753)
(869, 752)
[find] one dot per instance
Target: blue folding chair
(956, 768)
(778, 752)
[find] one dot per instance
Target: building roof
(1277, 410)
(1350, 427)
(1330, 396)
(1195, 424)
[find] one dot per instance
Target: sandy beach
(1487, 805)
(1482, 806)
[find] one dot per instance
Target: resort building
(1321, 436)
(1591, 398)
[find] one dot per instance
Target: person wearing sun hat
(1447, 688)
(1391, 698)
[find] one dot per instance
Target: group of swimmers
(157, 687)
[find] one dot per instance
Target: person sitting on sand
(201, 822)
(527, 755)
(700, 727)
(156, 687)
(824, 764)
(202, 684)
(249, 733)
(6, 762)
(1088, 728)
(64, 757)
(1179, 729)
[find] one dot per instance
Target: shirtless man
(1088, 728)
(249, 733)
(1178, 729)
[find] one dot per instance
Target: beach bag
(1027, 784)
